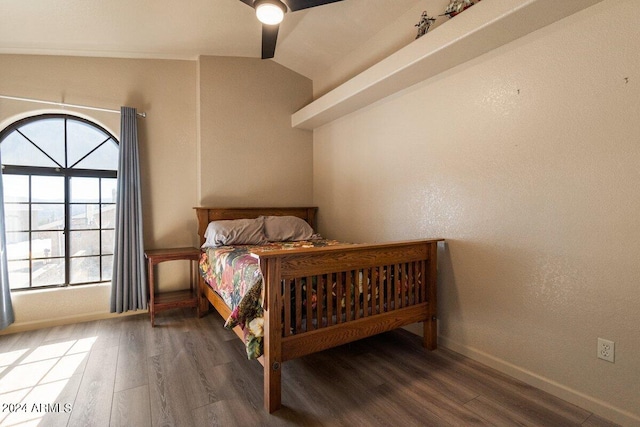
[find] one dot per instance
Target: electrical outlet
(606, 350)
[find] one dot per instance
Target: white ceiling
(309, 40)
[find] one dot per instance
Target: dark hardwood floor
(192, 372)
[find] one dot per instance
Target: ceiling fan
(271, 13)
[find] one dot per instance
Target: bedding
(235, 232)
(234, 274)
(287, 228)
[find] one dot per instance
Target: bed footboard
(325, 297)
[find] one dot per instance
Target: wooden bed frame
(294, 336)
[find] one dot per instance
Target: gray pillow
(286, 228)
(235, 232)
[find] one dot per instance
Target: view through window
(59, 176)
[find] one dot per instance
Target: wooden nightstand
(159, 301)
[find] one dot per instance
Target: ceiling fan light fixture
(270, 12)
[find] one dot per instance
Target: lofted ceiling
(309, 42)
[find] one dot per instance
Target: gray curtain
(128, 284)
(6, 314)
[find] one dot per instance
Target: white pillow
(235, 232)
(286, 228)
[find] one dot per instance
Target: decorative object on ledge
(424, 24)
(457, 6)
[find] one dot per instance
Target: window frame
(68, 174)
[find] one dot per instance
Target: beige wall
(250, 154)
(527, 160)
(165, 90)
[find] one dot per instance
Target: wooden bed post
(431, 324)
(272, 334)
(203, 222)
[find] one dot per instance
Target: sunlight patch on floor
(31, 380)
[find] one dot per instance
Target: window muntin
(60, 186)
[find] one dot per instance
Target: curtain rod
(62, 104)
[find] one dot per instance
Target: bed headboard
(208, 214)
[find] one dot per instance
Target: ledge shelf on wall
(486, 26)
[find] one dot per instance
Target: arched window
(59, 173)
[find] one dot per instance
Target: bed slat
(319, 301)
(309, 303)
(286, 301)
(348, 310)
(329, 296)
(339, 296)
(298, 305)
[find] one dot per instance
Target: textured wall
(527, 161)
(249, 154)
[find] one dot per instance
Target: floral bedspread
(233, 272)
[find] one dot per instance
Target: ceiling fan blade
(247, 2)
(306, 4)
(269, 38)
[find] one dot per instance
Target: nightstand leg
(195, 286)
(151, 280)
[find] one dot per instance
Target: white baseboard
(47, 323)
(582, 400)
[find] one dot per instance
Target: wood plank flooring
(192, 372)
